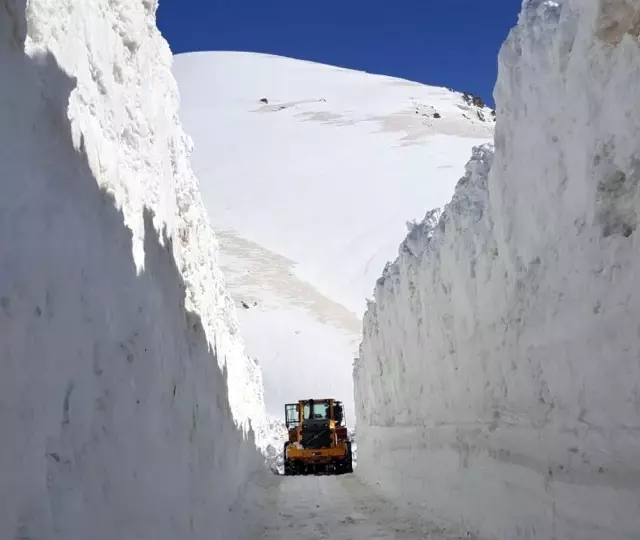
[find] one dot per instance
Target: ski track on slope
(335, 508)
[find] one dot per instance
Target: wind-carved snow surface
(126, 400)
(498, 384)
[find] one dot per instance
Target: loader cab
(313, 409)
(318, 437)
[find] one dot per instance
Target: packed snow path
(336, 508)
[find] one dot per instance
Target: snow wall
(126, 400)
(498, 384)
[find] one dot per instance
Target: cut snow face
(311, 173)
(498, 382)
(125, 395)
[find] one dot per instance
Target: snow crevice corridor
(497, 387)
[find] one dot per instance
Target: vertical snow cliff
(126, 401)
(498, 384)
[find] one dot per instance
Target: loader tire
(289, 468)
(348, 465)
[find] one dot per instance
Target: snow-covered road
(333, 507)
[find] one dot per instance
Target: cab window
(320, 411)
(291, 415)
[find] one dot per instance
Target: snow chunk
(543, 12)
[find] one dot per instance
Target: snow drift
(498, 384)
(126, 401)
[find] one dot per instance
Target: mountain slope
(311, 173)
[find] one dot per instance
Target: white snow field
(335, 508)
(310, 173)
(498, 382)
(125, 395)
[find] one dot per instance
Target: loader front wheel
(289, 468)
(348, 465)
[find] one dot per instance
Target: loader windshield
(318, 410)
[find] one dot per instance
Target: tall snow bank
(126, 401)
(498, 384)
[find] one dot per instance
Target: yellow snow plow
(318, 438)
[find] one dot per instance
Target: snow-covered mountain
(497, 386)
(310, 173)
(125, 393)
(498, 381)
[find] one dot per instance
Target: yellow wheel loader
(318, 439)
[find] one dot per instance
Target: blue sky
(450, 43)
